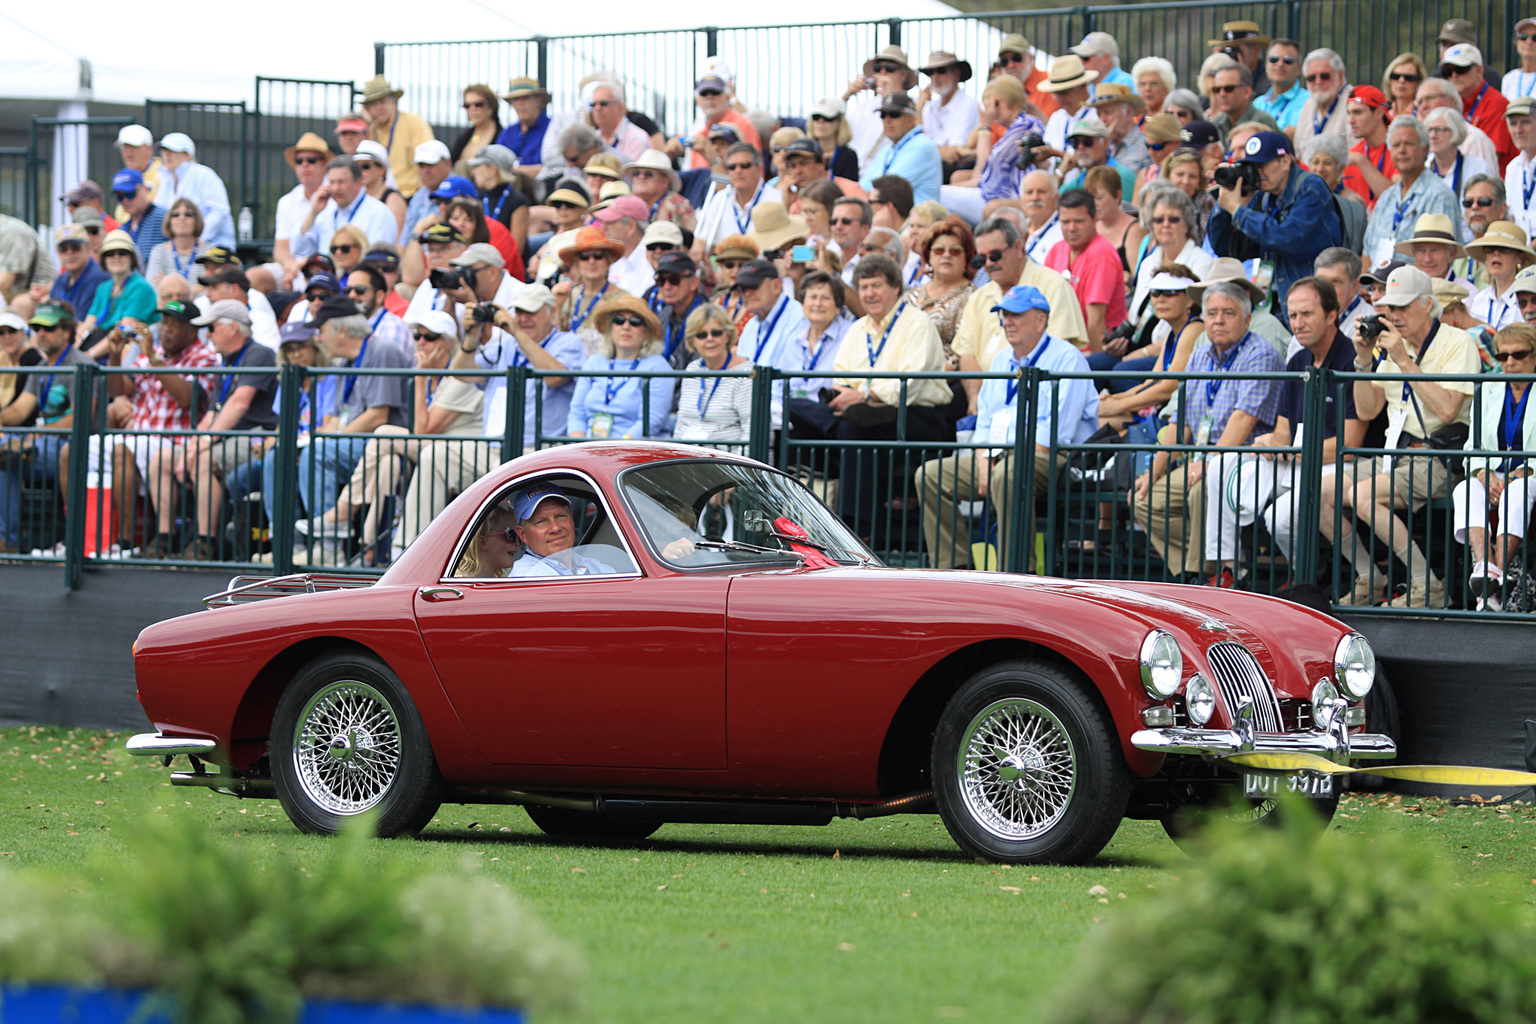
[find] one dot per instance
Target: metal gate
(285, 109)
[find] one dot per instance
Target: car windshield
(710, 513)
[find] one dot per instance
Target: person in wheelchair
(546, 524)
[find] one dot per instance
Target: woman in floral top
(947, 249)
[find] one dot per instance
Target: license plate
(1312, 785)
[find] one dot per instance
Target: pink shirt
(1096, 276)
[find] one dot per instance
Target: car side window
(544, 528)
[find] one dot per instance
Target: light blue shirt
(1073, 404)
(1118, 76)
(366, 212)
(1285, 108)
(1395, 215)
(504, 353)
(420, 205)
(622, 398)
(915, 157)
(562, 563)
(201, 184)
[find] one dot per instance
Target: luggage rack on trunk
(244, 589)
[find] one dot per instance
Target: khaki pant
(1174, 517)
(376, 474)
(443, 469)
(943, 483)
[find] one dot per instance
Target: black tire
(587, 826)
(347, 740)
(1186, 825)
(1058, 793)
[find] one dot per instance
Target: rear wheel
(562, 823)
(1027, 768)
(347, 740)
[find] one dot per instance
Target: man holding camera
(1408, 338)
(1268, 207)
(477, 274)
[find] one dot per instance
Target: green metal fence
(1079, 514)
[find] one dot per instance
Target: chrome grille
(1238, 675)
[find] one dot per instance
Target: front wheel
(1027, 768)
(347, 740)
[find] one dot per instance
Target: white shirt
(1519, 175)
(951, 123)
(366, 212)
(1493, 309)
(291, 211)
(633, 273)
(201, 184)
(1040, 241)
(1191, 256)
(1056, 128)
(426, 298)
(863, 117)
(264, 328)
(1478, 144)
(1519, 83)
(723, 216)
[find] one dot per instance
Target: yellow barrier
(1448, 775)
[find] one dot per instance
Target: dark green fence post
(711, 40)
(378, 58)
(1086, 13)
(1512, 17)
(1293, 19)
(79, 465)
(1021, 498)
(513, 440)
(893, 28)
(760, 426)
(541, 49)
(1310, 469)
(34, 164)
(290, 384)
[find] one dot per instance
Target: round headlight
(1354, 664)
(1162, 665)
(1199, 699)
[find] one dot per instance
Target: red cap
(1370, 96)
(352, 124)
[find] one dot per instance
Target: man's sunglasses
(886, 68)
(1013, 58)
(123, 197)
(358, 289)
(1326, 76)
(709, 92)
(309, 160)
(71, 246)
(1482, 202)
(1273, 59)
(1233, 87)
(742, 167)
(995, 256)
(891, 115)
(660, 247)
(632, 319)
(666, 279)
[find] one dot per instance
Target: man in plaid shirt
(1169, 501)
(151, 404)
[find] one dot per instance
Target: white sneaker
(1491, 603)
(1486, 579)
(319, 526)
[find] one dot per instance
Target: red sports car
(619, 635)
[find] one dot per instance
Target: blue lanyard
(1493, 300)
(1525, 90)
(1283, 101)
(1402, 210)
(876, 353)
(890, 155)
(134, 231)
(1456, 174)
(807, 365)
(1514, 416)
(744, 224)
(229, 378)
(656, 206)
(917, 272)
(1029, 250)
(1213, 387)
(518, 359)
(1319, 123)
(48, 384)
(1527, 186)
(1032, 361)
(191, 261)
(376, 321)
(580, 316)
(389, 147)
(765, 330)
(346, 389)
(612, 388)
(1475, 103)
(704, 402)
(506, 190)
(355, 206)
(676, 329)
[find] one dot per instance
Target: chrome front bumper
(1226, 742)
(153, 744)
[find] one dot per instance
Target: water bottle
(243, 226)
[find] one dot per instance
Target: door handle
(440, 594)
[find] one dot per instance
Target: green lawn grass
(882, 920)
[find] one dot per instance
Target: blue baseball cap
(529, 500)
(127, 180)
(1264, 147)
(324, 282)
(1021, 299)
(454, 186)
(724, 130)
(296, 332)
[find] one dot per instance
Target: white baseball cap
(179, 142)
(433, 151)
(10, 319)
(134, 135)
(438, 321)
(532, 298)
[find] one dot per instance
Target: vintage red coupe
(711, 644)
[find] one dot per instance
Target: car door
(620, 671)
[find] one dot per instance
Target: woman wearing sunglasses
(347, 247)
(373, 167)
(184, 241)
(483, 109)
(494, 548)
(1501, 485)
(1169, 218)
(1176, 330)
(727, 258)
(714, 408)
(587, 260)
(124, 295)
(1400, 82)
(569, 205)
(616, 407)
(829, 127)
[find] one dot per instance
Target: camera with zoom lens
(1234, 52)
(1126, 329)
(1372, 327)
(446, 279)
(1244, 176)
(1027, 146)
(483, 313)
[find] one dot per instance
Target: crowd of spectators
(1066, 214)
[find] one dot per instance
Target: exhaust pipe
(912, 802)
(519, 798)
(228, 785)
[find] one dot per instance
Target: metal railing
(1078, 513)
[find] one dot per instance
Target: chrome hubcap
(1017, 769)
(346, 748)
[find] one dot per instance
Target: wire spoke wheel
(1018, 769)
(346, 747)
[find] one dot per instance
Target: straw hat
(1436, 229)
(525, 86)
(941, 60)
(309, 142)
(1114, 92)
(625, 303)
(591, 239)
(1068, 73)
(605, 165)
(1226, 269)
(655, 160)
(1240, 32)
(119, 241)
(378, 87)
(772, 226)
(1501, 234)
(895, 55)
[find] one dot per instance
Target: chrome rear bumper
(153, 744)
(1225, 742)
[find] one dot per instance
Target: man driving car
(546, 524)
